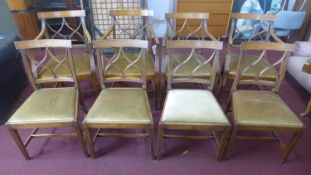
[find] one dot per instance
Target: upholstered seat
(262, 108)
(47, 106)
(186, 69)
(82, 66)
(232, 61)
(122, 63)
(193, 106)
(120, 105)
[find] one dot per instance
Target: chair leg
(230, 141)
(223, 143)
(95, 85)
(291, 145)
(160, 141)
(80, 137)
(81, 103)
(224, 82)
(19, 142)
(89, 140)
(151, 142)
(308, 110)
(156, 91)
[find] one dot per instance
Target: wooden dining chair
(264, 110)
(261, 30)
(72, 27)
(53, 107)
(193, 109)
(120, 108)
(136, 24)
(181, 26)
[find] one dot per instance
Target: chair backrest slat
(269, 72)
(47, 61)
(261, 29)
(200, 68)
(180, 26)
(123, 65)
(72, 26)
(131, 24)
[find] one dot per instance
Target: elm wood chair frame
(185, 32)
(145, 32)
(275, 85)
(234, 33)
(32, 67)
(213, 60)
(103, 64)
(74, 21)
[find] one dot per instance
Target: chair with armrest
(73, 27)
(180, 26)
(287, 21)
(136, 24)
(236, 38)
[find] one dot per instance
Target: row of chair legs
(87, 142)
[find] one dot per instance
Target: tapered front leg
(14, 133)
(160, 141)
(89, 140)
(291, 145)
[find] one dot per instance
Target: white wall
(160, 7)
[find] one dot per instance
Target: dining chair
(264, 110)
(235, 39)
(193, 109)
(51, 107)
(288, 21)
(72, 26)
(185, 26)
(120, 108)
(136, 24)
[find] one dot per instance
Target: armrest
(302, 48)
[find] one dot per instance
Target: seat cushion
(186, 69)
(82, 65)
(295, 66)
(120, 105)
(121, 64)
(232, 61)
(262, 108)
(47, 105)
(187, 106)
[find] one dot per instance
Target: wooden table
(307, 68)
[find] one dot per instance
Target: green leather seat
(192, 106)
(120, 105)
(262, 108)
(47, 105)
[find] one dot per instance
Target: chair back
(210, 62)
(250, 32)
(73, 26)
(280, 53)
(35, 55)
(130, 70)
(131, 24)
(289, 20)
(183, 26)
